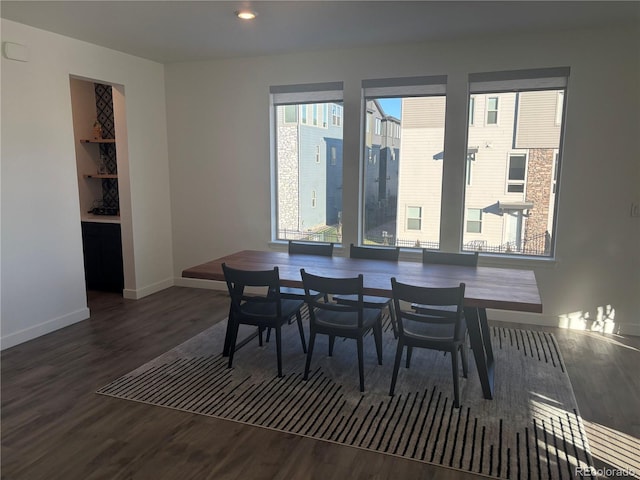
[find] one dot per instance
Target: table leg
(480, 338)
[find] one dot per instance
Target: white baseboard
(139, 293)
(197, 283)
(522, 317)
(43, 328)
(629, 329)
(554, 321)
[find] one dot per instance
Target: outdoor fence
(536, 245)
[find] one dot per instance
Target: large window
(402, 187)
(510, 205)
(308, 162)
(410, 189)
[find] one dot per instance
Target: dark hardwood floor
(55, 427)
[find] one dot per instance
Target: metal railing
(328, 236)
(536, 245)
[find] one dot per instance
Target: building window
(474, 220)
(472, 108)
(290, 114)
(471, 158)
(517, 173)
(405, 173)
(492, 111)
(414, 218)
(336, 115)
(313, 114)
(510, 209)
(302, 153)
(559, 106)
(555, 173)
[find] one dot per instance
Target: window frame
(477, 221)
(287, 204)
(517, 182)
(489, 111)
(410, 218)
(516, 81)
(472, 110)
(391, 88)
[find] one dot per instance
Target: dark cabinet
(102, 247)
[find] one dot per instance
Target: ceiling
(178, 31)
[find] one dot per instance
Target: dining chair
(448, 258)
(439, 325)
(262, 307)
(346, 320)
(370, 301)
(304, 248)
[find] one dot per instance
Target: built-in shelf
(100, 175)
(100, 140)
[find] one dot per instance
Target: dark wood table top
(486, 287)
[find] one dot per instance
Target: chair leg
(465, 360)
(332, 341)
(409, 352)
(301, 330)
(396, 366)
(232, 342)
(260, 330)
(279, 348)
(377, 336)
(361, 362)
(456, 383)
(394, 323)
(312, 339)
(268, 335)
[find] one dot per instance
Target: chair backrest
(446, 258)
(375, 253)
(320, 289)
(438, 306)
(269, 297)
(309, 248)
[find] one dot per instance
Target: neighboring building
(381, 168)
(513, 145)
(309, 159)
(420, 178)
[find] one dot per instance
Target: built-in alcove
(96, 145)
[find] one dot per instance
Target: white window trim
(559, 107)
(472, 110)
(413, 218)
(467, 220)
(497, 110)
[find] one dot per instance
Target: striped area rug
(530, 430)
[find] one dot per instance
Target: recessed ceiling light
(246, 14)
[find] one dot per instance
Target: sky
(392, 106)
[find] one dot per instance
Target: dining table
(514, 289)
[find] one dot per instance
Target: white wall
(218, 118)
(42, 267)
